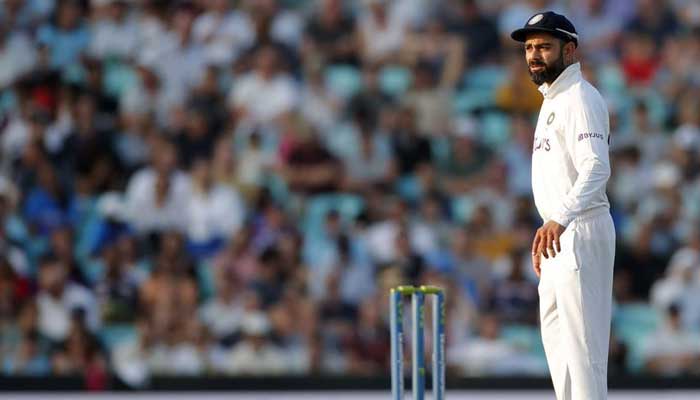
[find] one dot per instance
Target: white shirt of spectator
(381, 41)
(223, 37)
(55, 313)
(130, 362)
(287, 27)
(670, 344)
(264, 99)
(220, 317)
(381, 240)
(13, 139)
(218, 213)
(17, 56)
(570, 160)
(481, 356)
(142, 211)
(183, 358)
(138, 101)
(110, 38)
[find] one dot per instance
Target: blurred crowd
(220, 187)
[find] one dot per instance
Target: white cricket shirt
(570, 161)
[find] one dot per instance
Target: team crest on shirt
(550, 118)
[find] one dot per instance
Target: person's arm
(586, 134)
(454, 62)
(586, 139)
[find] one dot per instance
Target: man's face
(545, 57)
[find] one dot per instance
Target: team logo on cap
(537, 18)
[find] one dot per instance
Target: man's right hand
(536, 260)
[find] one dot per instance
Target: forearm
(592, 177)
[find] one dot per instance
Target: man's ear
(569, 49)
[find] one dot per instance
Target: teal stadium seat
(486, 77)
(118, 77)
(343, 80)
(205, 281)
(523, 337)
(348, 206)
(479, 89)
(469, 100)
(462, 208)
(633, 324)
(395, 80)
(113, 335)
(495, 129)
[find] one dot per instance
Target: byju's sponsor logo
(582, 136)
(541, 144)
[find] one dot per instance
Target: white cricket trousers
(575, 307)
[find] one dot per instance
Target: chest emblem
(550, 118)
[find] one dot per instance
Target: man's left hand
(546, 240)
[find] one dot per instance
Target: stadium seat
(471, 100)
(348, 206)
(521, 336)
(633, 324)
(112, 335)
(118, 77)
(395, 80)
(343, 80)
(495, 129)
(486, 77)
(462, 208)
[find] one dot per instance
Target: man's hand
(536, 260)
(546, 240)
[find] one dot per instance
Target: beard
(549, 73)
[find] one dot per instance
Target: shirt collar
(571, 74)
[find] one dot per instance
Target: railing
(326, 383)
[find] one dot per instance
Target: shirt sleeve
(586, 139)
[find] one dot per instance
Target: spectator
(332, 35)
(430, 99)
(157, 194)
(255, 354)
(485, 354)
(29, 358)
(114, 31)
(130, 358)
(310, 168)
(438, 51)
(58, 298)
(516, 298)
(17, 56)
(368, 344)
(410, 147)
(224, 33)
(468, 158)
(49, 205)
(215, 211)
(66, 37)
(672, 350)
(80, 353)
(480, 36)
(117, 291)
(370, 160)
(382, 31)
(265, 93)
